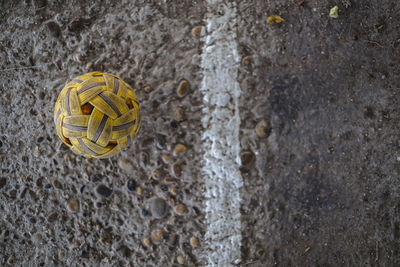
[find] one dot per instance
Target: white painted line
(221, 91)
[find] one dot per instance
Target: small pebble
(262, 128)
(180, 259)
(196, 31)
(146, 241)
(180, 209)
(77, 25)
(79, 58)
(46, 53)
(139, 191)
(52, 217)
(176, 169)
(103, 191)
(183, 88)
(167, 228)
(158, 207)
(146, 143)
(10, 260)
(37, 237)
(173, 240)
(160, 141)
(169, 180)
(246, 61)
(89, 65)
(53, 28)
(246, 157)
(179, 149)
(174, 191)
(157, 235)
(166, 158)
(171, 201)
(194, 241)
(73, 205)
(3, 182)
(64, 147)
(125, 164)
(184, 124)
(156, 174)
(57, 184)
(131, 185)
(144, 213)
(47, 186)
(75, 245)
(178, 115)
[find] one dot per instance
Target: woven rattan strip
(97, 114)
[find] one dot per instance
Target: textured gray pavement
(319, 134)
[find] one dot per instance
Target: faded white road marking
(221, 144)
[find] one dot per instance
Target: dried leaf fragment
(274, 19)
(333, 13)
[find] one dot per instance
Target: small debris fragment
(274, 19)
(73, 205)
(333, 13)
(179, 149)
(183, 88)
(180, 209)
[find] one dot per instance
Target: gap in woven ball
(87, 109)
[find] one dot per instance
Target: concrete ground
(316, 129)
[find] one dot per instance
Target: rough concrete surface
(319, 134)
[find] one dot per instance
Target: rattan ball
(97, 114)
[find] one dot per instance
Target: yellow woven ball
(97, 114)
